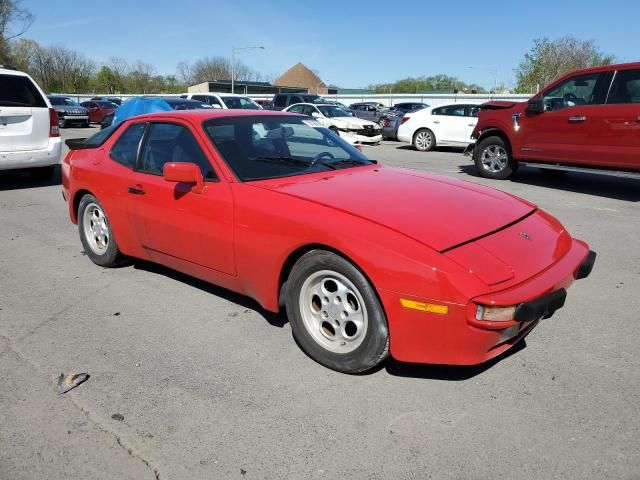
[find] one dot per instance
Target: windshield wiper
(283, 160)
(346, 162)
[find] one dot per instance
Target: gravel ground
(192, 381)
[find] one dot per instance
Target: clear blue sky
(351, 43)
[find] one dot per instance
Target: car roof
(201, 115)
(11, 71)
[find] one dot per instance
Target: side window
(281, 101)
(472, 110)
(200, 98)
(579, 90)
(451, 111)
(371, 108)
(296, 99)
(625, 87)
(296, 109)
(308, 110)
(168, 142)
(125, 149)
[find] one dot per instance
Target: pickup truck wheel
(335, 314)
(424, 140)
(493, 159)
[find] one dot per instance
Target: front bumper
(458, 338)
(33, 158)
(354, 137)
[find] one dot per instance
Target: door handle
(577, 119)
(436, 121)
(136, 191)
(471, 124)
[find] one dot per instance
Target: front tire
(95, 233)
(493, 159)
(335, 314)
(424, 140)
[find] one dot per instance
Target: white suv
(29, 136)
(224, 100)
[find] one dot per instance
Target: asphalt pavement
(190, 381)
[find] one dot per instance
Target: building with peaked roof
(300, 76)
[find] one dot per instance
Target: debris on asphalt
(118, 416)
(70, 381)
(243, 471)
(117, 314)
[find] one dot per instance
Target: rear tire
(493, 159)
(335, 314)
(424, 140)
(95, 233)
(43, 173)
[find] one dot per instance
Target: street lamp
(235, 50)
(495, 75)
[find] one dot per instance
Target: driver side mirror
(184, 172)
(315, 115)
(536, 105)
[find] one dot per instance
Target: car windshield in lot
(63, 101)
(330, 111)
(240, 102)
(259, 148)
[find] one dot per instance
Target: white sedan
(445, 125)
(352, 129)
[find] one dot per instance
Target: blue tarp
(139, 106)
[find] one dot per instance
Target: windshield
(258, 148)
(63, 101)
(240, 102)
(331, 111)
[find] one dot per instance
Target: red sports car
(367, 259)
(99, 109)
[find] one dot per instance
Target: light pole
(495, 75)
(235, 50)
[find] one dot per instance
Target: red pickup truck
(589, 119)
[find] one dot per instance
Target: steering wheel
(570, 97)
(322, 155)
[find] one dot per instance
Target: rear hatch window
(24, 115)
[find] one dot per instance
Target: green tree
(423, 84)
(550, 59)
(14, 21)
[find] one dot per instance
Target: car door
(614, 128)
(177, 226)
(562, 132)
(450, 124)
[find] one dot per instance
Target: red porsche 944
(367, 260)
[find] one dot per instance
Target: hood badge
(526, 236)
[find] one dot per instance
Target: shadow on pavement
(22, 179)
(276, 319)
(446, 372)
(607, 186)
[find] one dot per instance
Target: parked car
(365, 259)
(116, 100)
(224, 100)
(98, 109)
(142, 105)
(283, 100)
(266, 104)
(586, 120)
(29, 132)
(445, 125)
(372, 111)
(69, 111)
(390, 126)
(399, 109)
(352, 129)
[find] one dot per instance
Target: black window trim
(118, 127)
(145, 139)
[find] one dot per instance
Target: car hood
(498, 105)
(355, 121)
(437, 211)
